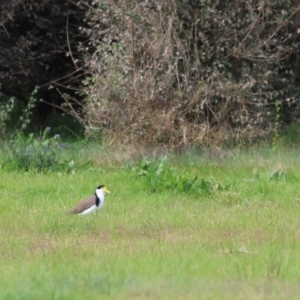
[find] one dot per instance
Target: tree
(39, 47)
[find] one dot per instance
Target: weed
(33, 153)
(41, 153)
(279, 175)
(25, 118)
(6, 107)
(159, 176)
(72, 167)
(277, 123)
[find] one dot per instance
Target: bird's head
(101, 189)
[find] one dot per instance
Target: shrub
(180, 73)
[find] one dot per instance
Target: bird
(90, 204)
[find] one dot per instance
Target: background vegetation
(175, 73)
(194, 72)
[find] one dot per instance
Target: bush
(37, 154)
(181, 73)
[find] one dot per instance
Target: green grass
(237, 243)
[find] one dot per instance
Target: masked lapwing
(92, 203)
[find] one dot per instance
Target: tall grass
(237, 243)
(44, 152)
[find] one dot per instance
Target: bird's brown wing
(83, 205)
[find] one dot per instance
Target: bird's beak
(106, 190)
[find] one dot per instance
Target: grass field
(240, 242)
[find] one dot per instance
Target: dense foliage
(167, 72)
(38, 48)
(190, 72)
